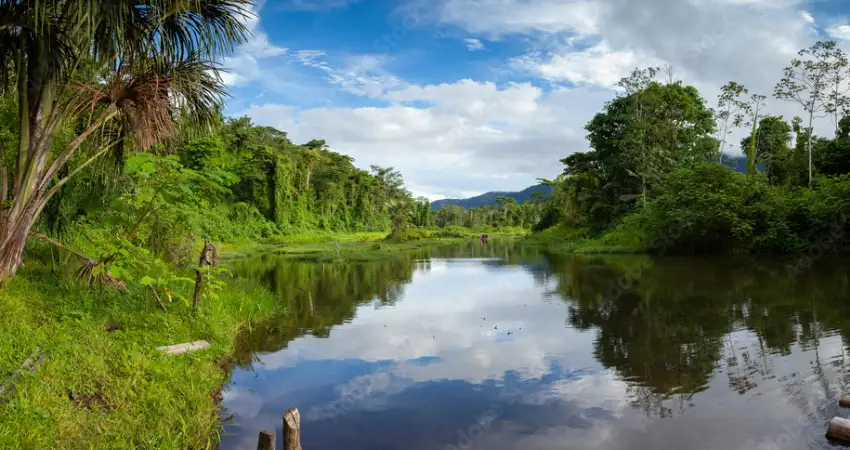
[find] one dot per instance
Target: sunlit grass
(330, 246)
(102, 389)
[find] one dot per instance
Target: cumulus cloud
(474, 44)
(502, 17)
(468, 136)
(244, 65)
(454, 139)
(598, 65)
(840, 32)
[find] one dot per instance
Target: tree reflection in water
(669, 327)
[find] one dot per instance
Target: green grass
(103, 384)
(562, 239)
(322, 247)
(112, 389)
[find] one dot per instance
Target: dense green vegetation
(116, 165)
(652, 179)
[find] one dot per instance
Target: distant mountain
(489, 198)
(739, 163)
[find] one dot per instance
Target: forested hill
(489, 198)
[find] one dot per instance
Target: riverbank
(353, 247)
(103, 384)
(564, 240)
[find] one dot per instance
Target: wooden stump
(266, 441)
(292, 429)
(844, 401)
(839, 429)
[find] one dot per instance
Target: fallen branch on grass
(30, 364)
(63, 247)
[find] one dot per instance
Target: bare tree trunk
(811, 132)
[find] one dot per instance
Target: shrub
(712, 209)
(452, 232)
(408, 234)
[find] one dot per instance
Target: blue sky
(467, 96)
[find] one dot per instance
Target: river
(495, 346)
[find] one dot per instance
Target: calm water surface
(500, 347)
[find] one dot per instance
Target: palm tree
(131, 69)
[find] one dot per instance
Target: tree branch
(66, 154)
(156, 295)
(62, 246)
(79, 168)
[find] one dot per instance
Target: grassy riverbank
(322, 247)
(562, 239)
(103, 384)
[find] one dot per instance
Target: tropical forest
(177, 276)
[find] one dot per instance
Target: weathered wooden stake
(209, 257)
(179, 349)
(844, 401)
(292, 429)
(839, 429)
(266, 441)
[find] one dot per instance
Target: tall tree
(636, 87)
(753, 110)
(730, 107)
(646, 132)
(807, 81)
(772, 141)
(133, 66)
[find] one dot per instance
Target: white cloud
(840, 32)
(243, 66)
(460, 137)
(361, 75)
(467, 134)
(504, 17)
(474, 44)
(596, 66)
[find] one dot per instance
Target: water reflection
(501, 347)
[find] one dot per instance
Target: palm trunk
(14, 231)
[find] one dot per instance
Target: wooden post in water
(844, 401)
(839, 429)
(292, 429)
(266, 441)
